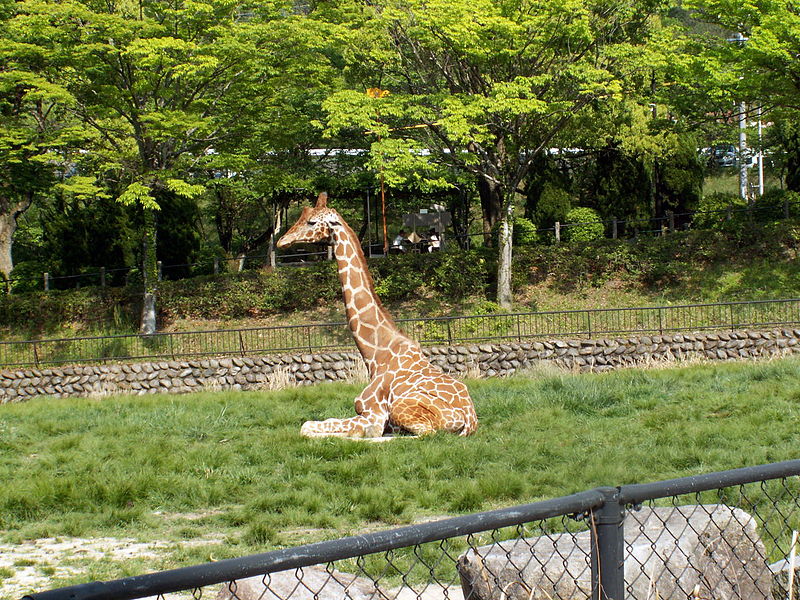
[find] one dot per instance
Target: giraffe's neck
(372, 326)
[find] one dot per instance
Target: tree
(151, 80)
(494, 85)
(34, 127)
(762, 66)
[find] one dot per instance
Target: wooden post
(216, 266)
(786, 206)
(558, 231)
(671, 216)
(102, 277)
(159, 266)
(614, 231)
(46, 281)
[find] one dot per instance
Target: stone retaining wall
(488, 360)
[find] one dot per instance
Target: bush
(460, 275)
(584, 225)
(553, 205)
(771, 206)
(524, 233)
(713, 210)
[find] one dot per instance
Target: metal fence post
(608, 548)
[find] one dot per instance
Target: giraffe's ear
(322, 200)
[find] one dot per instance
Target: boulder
(781, 574)
(671, 553)
(309, 583)
(318, 583)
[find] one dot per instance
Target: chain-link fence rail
(722, 536)
(326, 337)
(614, 228)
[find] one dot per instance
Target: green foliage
(585, 225)
(137, 193)
(524, 232)
(714, 210)
(773, 204)
(449, 275)
(750, 262)
(553, 205)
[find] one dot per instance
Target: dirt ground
(36, 564)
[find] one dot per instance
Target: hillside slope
(756, 262)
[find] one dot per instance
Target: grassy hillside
(746, 262)
(229, 471)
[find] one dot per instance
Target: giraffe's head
(314, 225)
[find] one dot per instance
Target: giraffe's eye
(312, 223)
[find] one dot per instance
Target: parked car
(722, 155)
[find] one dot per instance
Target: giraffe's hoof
(310, 430)
(373, 431)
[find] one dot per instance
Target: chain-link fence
(721, 536)
(430, 331)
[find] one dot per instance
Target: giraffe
(405, 391)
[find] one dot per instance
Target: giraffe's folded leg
(361, 426)
(415, 414)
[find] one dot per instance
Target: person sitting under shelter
(434, 241)
(398, 244)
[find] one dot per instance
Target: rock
(671, 553)
(341, 585)
(317, 584)
(781, 571)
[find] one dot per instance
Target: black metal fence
(725, 535)
(322, 337)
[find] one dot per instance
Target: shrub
(713, 210)
(771, 206)
(585, 225)
(460, 275)
(524, 233)
(553, 205)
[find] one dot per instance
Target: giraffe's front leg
(366, 425)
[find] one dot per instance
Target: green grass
(232, 465)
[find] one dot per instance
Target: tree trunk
(150, 272)
(9, 213)
(276, 227)
(793, 169)
(491, 207)
(504, 293)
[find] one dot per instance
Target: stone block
(671, 553)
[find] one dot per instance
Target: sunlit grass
(231, 467)
(112, 462)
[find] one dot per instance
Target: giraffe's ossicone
(406, 392)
